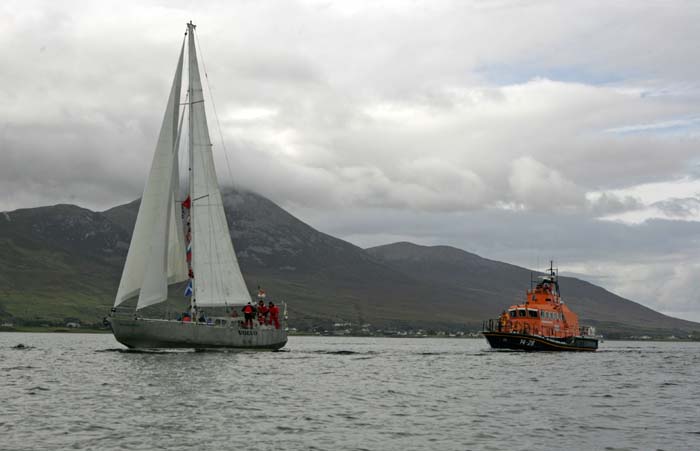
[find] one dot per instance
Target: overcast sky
(519, 130)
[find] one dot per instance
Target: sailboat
(187, 241)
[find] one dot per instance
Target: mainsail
(218, 280)
(156, 255)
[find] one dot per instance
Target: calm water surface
(76, 391)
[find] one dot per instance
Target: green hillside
(64, 262)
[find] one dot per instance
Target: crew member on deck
(248, 315)
(274, 314)
(262, 312)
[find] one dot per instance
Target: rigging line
(184, 162)
(213, 105)
(181, 155)
(177, 205)
(200, 197)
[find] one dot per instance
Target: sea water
(85, 391)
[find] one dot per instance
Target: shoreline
(86, 330)
(55, 329)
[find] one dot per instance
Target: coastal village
(337, 329)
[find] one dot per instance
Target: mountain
(498, 285)
(58, 262)
(64, 262)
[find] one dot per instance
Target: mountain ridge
(512, 281)
(68, 260)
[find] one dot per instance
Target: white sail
(164, 234)
(218, 280)
(145, 270)
(177, 264)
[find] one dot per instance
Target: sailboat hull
(146, 333)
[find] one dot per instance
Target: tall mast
(190, 151)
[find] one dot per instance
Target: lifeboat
(542, 323)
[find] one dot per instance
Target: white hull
(223, 333)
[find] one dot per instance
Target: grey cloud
(517, 236)
(322, 72)
(608, 204)
(679, 208)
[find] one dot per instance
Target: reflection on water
(86, 391)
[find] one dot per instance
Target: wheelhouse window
(512, 313)
(521, 312)
(532, 313)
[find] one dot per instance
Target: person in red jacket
(248, 311)
(274, 314)
(262, 312)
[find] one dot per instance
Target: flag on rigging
(187, 203)
(188, 290)
(189, 252)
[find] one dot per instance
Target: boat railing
(121, 311)
(586, 331)
(492, 325)
(498, 325)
